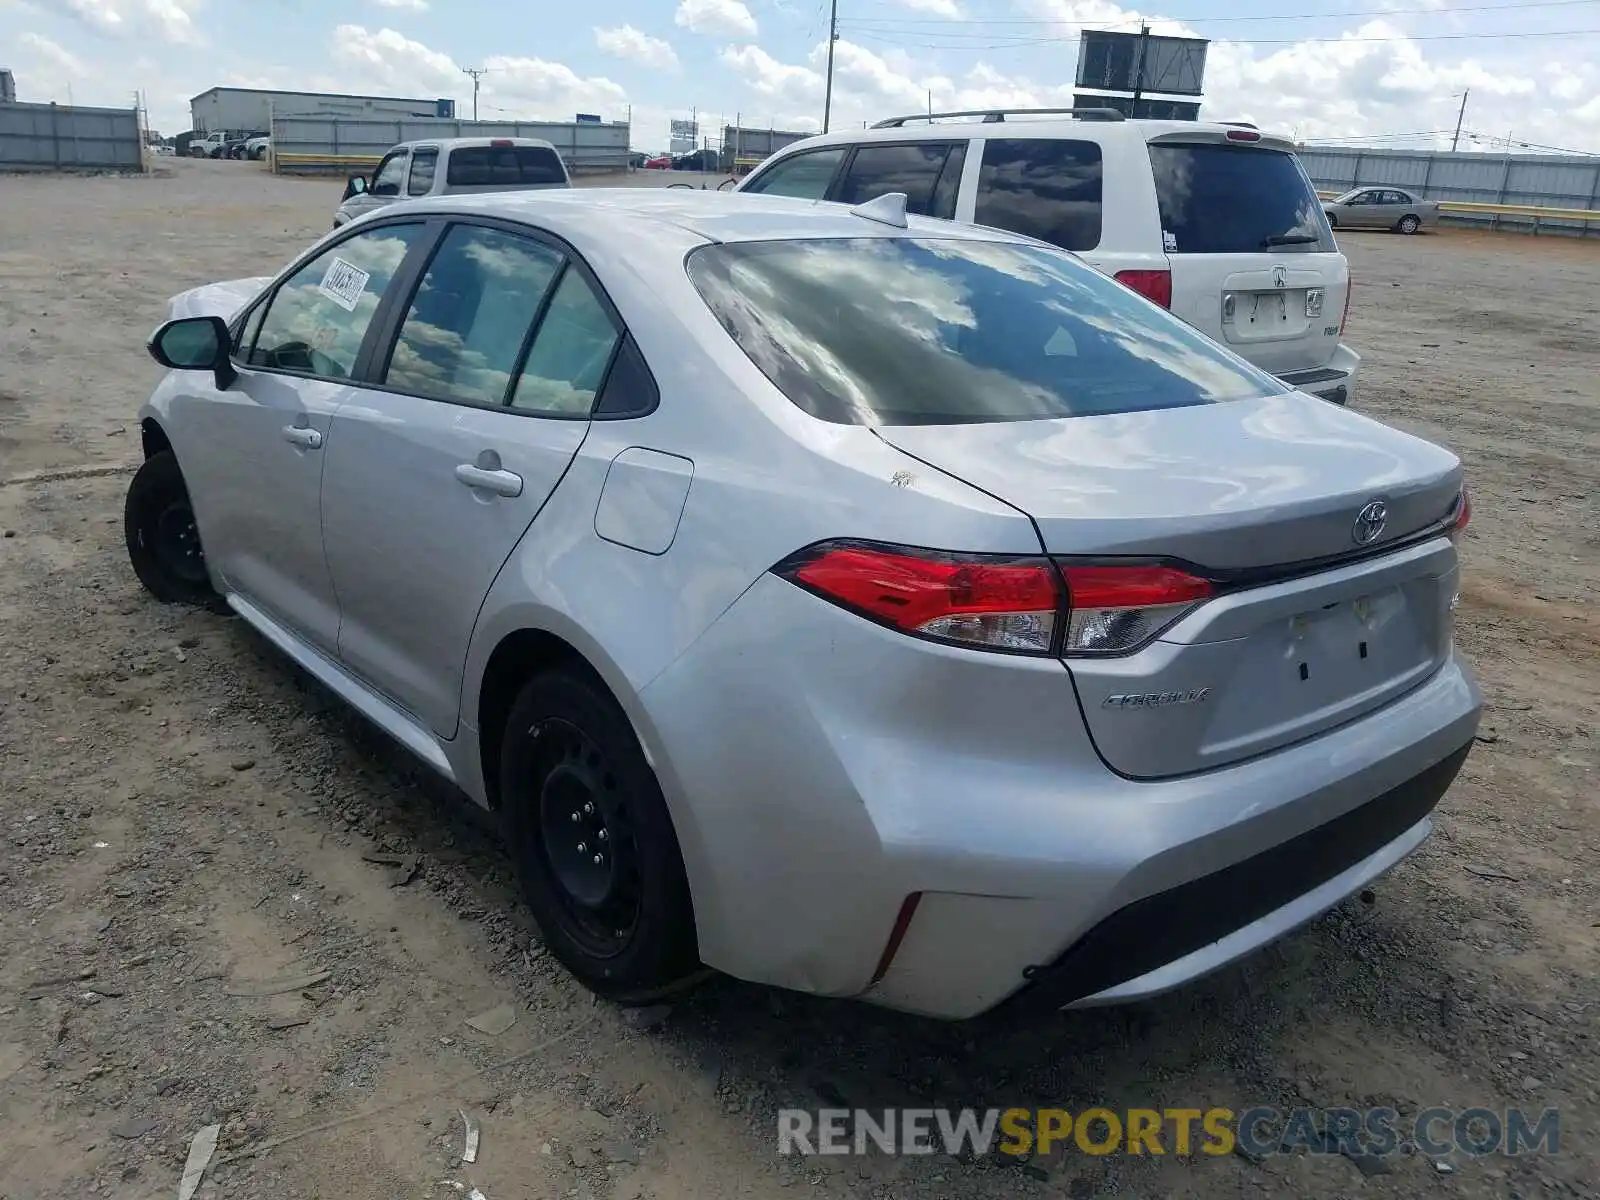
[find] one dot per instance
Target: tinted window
(316, 322)
(424, 164)
(915, 169)
(570, 353)
(496, 166)
(390, 174)
(470, 316)
(805, 176)
(1236, 200)
(903, 331)
(1043, 187)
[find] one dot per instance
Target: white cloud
(169, 20)
(533, 87)
(939, 8)
(413, 5)
(391, 60)
(627, 42)
(53, 57)
(724, 18)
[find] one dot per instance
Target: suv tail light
(1020, 605)
(1349, 286)
(1152, 285)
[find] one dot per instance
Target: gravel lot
(184, 816)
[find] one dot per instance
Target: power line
(1210, 20)
(1019, 43)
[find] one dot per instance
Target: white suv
(1218, 222)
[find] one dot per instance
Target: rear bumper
(819, 778)
(1334, 381)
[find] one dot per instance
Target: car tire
(1409, 223)
(1333, 221)
(575, 787)
(163, 539)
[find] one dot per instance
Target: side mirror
(356, 185)
(195, 344)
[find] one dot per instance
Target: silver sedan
(871, 606)
(1382, 208)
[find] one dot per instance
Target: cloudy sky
(1323, 70)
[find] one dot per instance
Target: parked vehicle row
(842, 598)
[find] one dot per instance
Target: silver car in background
(1382, 208)
(871, 606)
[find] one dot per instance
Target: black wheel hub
(177, 544)
(587, 838)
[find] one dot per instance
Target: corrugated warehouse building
(230, 109)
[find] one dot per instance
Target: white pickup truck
(450, 166)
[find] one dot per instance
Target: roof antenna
(887, 209)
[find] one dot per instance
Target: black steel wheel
(162, 535)
(593, 841)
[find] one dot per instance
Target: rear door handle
(299, 435)
(501, 483)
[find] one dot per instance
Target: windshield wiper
(1291, 239)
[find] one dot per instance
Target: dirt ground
(186, 820)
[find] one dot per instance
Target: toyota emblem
(1369, 523)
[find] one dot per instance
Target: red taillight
(501, 143)
(1463, 512)
(1152, 285)
(1000, 603)
(1349, 286)
(1113, 609)
(1242, 135)
(996, 603)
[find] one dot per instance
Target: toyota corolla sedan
(870, 606)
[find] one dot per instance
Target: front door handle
(501, 483)
(299, 435)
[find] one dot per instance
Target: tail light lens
(1152, 285)
(1114, 609)
(1463, 513)
(1349, 287)
(1018, 605)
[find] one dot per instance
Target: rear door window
(1046, 188)
(499, 166)
(1224, 199)
(424, 165)
(803, 176)
(919, 169)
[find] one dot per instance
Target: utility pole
(1138, 75)
(477, 73)
(833, 36)
(1460, 116)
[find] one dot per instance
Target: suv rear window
(486, 166)
(912, 331)
(1236, 200)
(1046, 188)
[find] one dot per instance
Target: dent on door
(641, 502)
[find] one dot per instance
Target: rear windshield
(487, 166)
(907, 331)
(1236, 200)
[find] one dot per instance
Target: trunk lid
(1252, 260)
(1311, 627)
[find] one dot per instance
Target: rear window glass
(1236, 200)
(1043, 187)
(911, 331)
(487, 166)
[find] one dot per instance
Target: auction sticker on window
(344, 283)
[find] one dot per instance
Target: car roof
(458, 143)
(642, 215)
(1044, 127)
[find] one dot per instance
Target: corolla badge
(1369, 523)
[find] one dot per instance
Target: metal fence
(56, 137)
(1553, 182)
(319, 145)
(746, 147)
